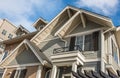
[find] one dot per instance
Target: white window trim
(66, 75)
(39, 72)
(18, 72)
(3, 56)
(88, 68)
(47, 73)
(83, 36)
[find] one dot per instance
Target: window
(4, 55)
(4, 32)
(40, 27)
(85, 42)
(10, 36)
(20, 73)
(114, 52)
(2, 46)
(66, 76)
(88, 43)
(79, 41)
(48, 73)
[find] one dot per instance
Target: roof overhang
(39, 20)
(85, 15)
(20, 48)
(19, 38)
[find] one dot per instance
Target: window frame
(3, 55)
(10, 36)
(83, 42)
(18, 72)
(48, 71)
(4, 32)
(114, 54)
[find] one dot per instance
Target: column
(3, 76)
(102, 52)
(39, 71)
(74, 68)
(54, 71)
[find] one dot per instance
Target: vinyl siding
(25, 57)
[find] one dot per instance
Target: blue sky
(26, 12)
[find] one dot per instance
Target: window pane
(88, 42)
(79, 41)
(23, 73)
(13, 73)
(114, 52)
(5, 55)
(4, 32)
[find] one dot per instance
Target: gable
(25, 57)
(89, 26)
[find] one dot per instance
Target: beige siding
(31, 72)
(9, 28)
(9, 72)
(89, 26)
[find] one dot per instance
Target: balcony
(65, 56)
(112, 64)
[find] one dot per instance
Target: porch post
(39, 71)
(102, 52)
(3, 76)
(74, 68)
(54, 71)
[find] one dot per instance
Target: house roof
(26, 43)
(83, 14)
(20, 27)
(19, 38)
(38, 20)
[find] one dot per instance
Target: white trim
(3, 76)
(83, 20)
(76, 14)
(69, 14)
(20, 68)
(39, 72)
(91, 60)
(85, 32)
(49, 24)
(63, 75)
(49, 73)
(11, 53)
(88, 68)
(74, 28)
(93, 14)
(38, 20)
(23, 65)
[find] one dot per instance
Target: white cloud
(107, 7)
(23, 11)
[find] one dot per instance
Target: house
(11, 44)
(76, 39)
(9, 31)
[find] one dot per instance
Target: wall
(9, 28)
(25, 57)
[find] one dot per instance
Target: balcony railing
(66, 49)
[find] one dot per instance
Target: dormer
(40, 24)
(21, 31)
